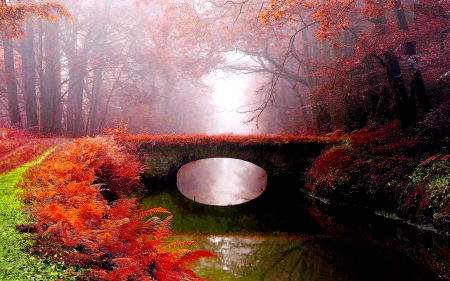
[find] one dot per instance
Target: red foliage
(401, 171)
(17, 148)
(69, 207)
(322, 176)
(363, 166)
(219, 139)
(120, 134)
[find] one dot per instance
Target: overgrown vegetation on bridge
(120, 133)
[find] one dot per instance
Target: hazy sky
(229, 95)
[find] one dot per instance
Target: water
(284, 235)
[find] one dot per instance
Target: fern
(152, 211)
(66, 196)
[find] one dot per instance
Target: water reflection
(306, 258)
(221, 181)
(283, 235)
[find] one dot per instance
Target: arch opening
(221, 181)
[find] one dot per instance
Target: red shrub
(230, 138)
(68, 205)
(363, 166)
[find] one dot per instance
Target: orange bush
(102, 230)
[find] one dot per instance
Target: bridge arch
(291, 159)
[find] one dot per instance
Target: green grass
(15, 263)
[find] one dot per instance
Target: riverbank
(406, 173)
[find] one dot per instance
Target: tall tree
(77, 71)
(409, 49)
(11, 83)
(29, 76)
(51, 107)
(12, 16)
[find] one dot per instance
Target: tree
(51, 107)
(378, 29)
(12, 15)
(11, 83)
(29, 76)
(77, 68)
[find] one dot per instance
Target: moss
(426, 196)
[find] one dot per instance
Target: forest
(85, 84)
(314, 67)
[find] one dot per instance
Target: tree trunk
(96, 87)
(11, 84)
(418, 89)
(77, 69)
(406, 114)
(51, 106)
(303, 111)
(29, 77)
(417, 85)
(92, 126)
(308, 57)
(40, 72)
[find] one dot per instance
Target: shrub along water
(406, 172)
(82, 215)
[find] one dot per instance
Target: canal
(285, 235)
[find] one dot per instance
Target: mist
(191, 67)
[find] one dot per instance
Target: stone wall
(292, 159)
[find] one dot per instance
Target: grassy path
(15, 263)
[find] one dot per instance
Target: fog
(164, 67)
(159, 68)
(229, 96)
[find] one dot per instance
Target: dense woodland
(75, 67)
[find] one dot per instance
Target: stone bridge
(287, 158)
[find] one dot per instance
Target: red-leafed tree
(375, 48)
